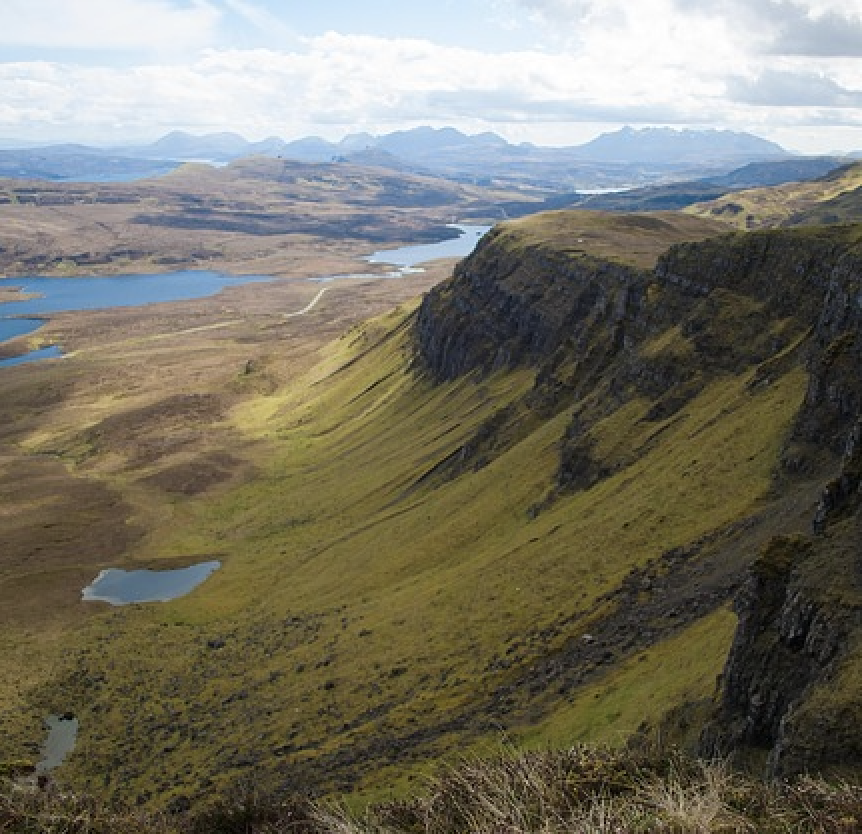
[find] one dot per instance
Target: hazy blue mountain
(419, 146)
(626, 158)
(662, 145)
(272, 146)
(310, 149)
(78, 163)
(422, 141)
(181, 145)
(780, 171)
(356, 142)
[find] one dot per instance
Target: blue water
(62, 735)
(58, 295)
(10, 328)
(410, 256)
(101, 292)
(50, 352)
(98, 292)
(123, 587)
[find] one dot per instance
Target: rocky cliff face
(601, 333)
(800, 610)
(510, 305)
(569, 318)
(786, 643)
(503, 309)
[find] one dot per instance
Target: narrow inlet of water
(408, 257)
(50, 352)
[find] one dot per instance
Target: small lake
(62, 735)
(407, 257)
(124, 587)
(58, 295)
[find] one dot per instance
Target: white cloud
(792, 89)
(362, 80)
(790, 27)
(610, 62)
(108, 24)
(780, 27)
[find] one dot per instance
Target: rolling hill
(256, 213)
(833, 198)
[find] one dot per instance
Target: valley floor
(105, 447)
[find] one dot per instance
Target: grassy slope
(634, 239)
(578, 789)
(830, 199)
(357, 607)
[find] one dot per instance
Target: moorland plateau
(599, 483)
(255, 215)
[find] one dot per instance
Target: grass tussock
(581, 790)
(586, 790)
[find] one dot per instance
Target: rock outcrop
(503, 309)
(600, 333)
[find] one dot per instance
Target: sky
(551, 72)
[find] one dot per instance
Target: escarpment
(505, 309)
(510, 305)
(600, 333)
(604, 334)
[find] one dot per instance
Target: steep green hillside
(520, 511)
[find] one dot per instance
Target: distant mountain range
(79, 163)
(620, 159)
(656, 146)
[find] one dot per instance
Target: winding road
(308, 307)
(204, 327)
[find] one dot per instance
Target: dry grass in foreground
(582, 789)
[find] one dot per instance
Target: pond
(62, 735)
(124, 587)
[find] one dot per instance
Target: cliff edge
(604, 333)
